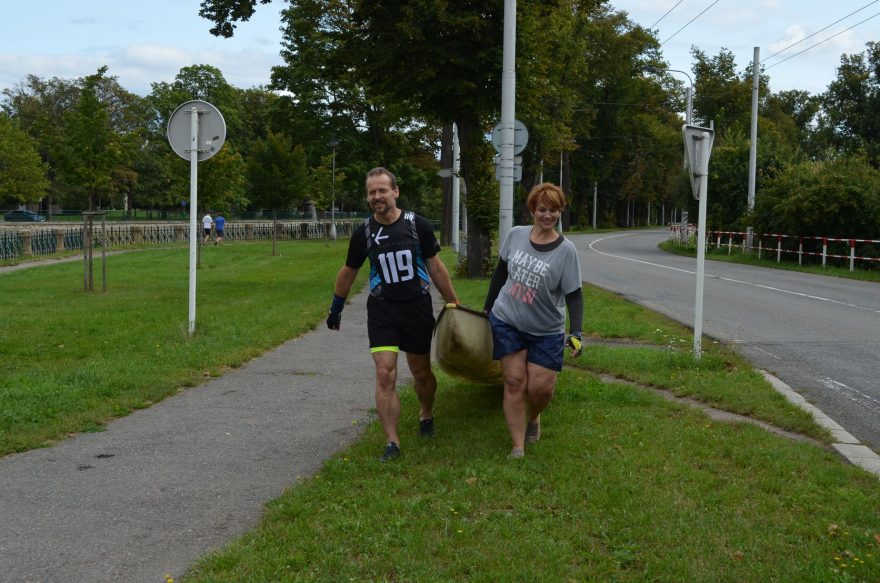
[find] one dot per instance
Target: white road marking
(768, 353)
(850, 393)
(758, 285)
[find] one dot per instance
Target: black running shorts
(406, 326)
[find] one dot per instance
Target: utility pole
(753, 149)
(333, 144)
(595, 191)
(508, 113)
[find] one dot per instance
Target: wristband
(337, 305)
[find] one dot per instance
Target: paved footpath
(164, 486)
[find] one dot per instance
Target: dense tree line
(383, 83)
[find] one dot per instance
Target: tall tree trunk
(479, 243)
(565, 185)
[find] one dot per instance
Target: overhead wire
(822, 41)
(665, 15)
(818, 31)
(690, 21)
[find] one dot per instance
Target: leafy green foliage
(850, 118)
(22, 172)
(90, 149)
(834, 198)
(278, 173)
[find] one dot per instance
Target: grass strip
(623, 486)
(72, 360)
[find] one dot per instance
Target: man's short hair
(379, 170)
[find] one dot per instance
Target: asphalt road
(819, 334)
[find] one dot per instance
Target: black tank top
(397, 266)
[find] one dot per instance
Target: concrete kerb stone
(845, 444)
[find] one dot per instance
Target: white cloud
(138, 65)
(15, 68)
(793, 34)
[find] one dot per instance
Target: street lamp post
(690, 90)
(689, 107)
(333, 144)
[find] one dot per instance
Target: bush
(832, 198)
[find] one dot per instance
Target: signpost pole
(193, 205)
(456, 189)
(702, 164)
(698, 147)
(183, 135)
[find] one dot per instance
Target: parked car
(23, 215)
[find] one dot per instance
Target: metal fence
(42, 239)
(811, 250)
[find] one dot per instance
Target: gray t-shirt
(533, 298)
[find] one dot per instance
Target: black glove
(576, 343)
(334, 317)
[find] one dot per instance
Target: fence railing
(37, 240)
(182, 215)
(817, 250)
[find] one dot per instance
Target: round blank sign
(520, 137)
(212, 129)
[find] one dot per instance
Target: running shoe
(426, 427)
(392, 452)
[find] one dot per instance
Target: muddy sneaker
(533, 431)
(426, 427)
(516, 453)
(392, 452)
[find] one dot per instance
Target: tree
(626, 130)
(38, 107)
(22, 172)
(202, 82)
(723, 95)
(90, 148)
(342, 53)
(373, 70)
(850, 120)
(225, 13)
(452, 60)
(833, 198)
(222, 180)
(45, 110)
(278, 173)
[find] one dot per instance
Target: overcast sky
(150, 41)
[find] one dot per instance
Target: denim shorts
(546, 351)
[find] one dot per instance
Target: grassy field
(74, 359)
(623, 486)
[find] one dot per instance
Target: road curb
(845, 444)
